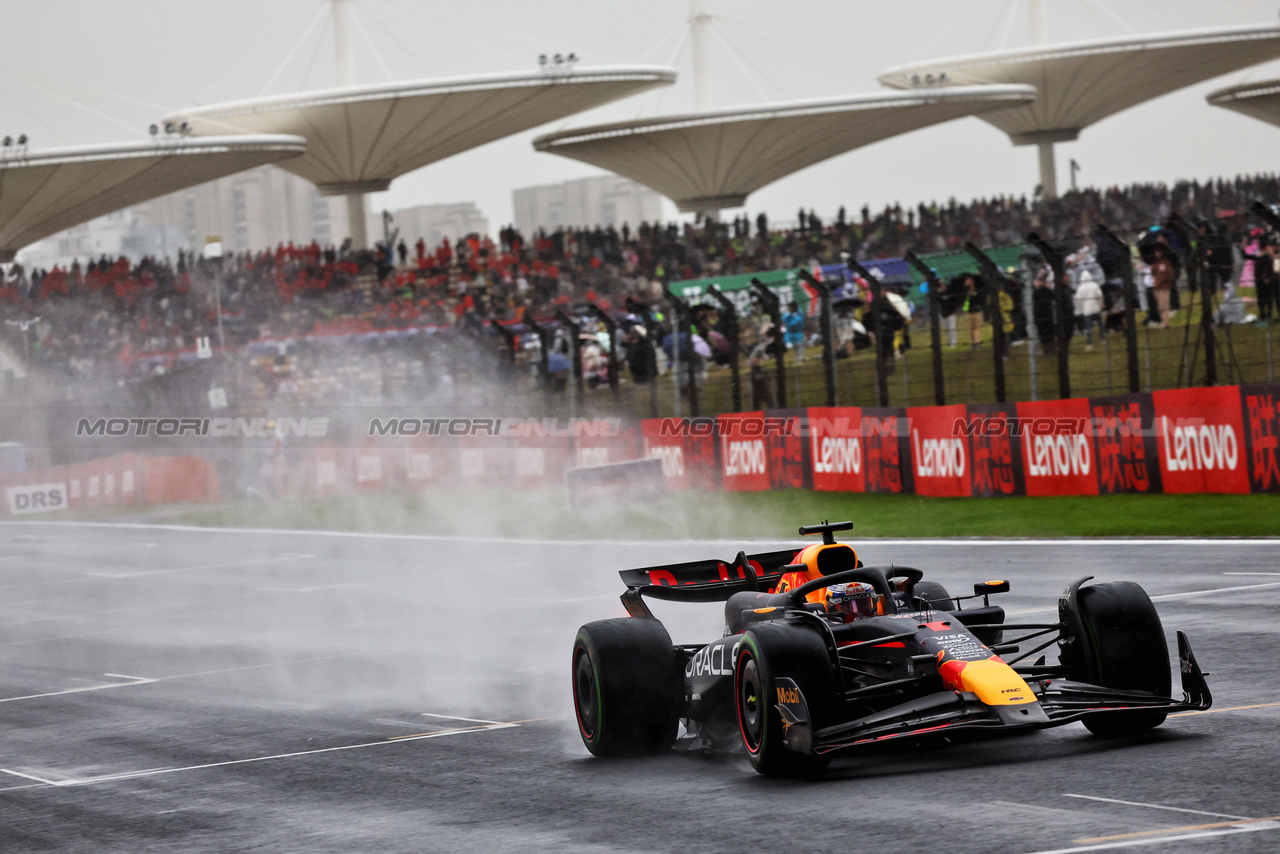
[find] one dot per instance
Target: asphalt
(176, 689)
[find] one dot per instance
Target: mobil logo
(1198, 446)
(1058, 455)
(671, 456)
(745, 457)
(938, 457)
(836, 454)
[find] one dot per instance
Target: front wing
(1060, 701)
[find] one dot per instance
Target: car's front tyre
(1123, 647)
(766, 652)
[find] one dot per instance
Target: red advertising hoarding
(995, 461)
(1058, 456)
(664, 438)
(1261, 411)
(836, 449)
(1127, 449)
(1200, 437)
(744, 456)
(939, 450)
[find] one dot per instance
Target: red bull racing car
(823, 655)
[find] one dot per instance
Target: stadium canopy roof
(1083, 82)
(1258, 100)
(360, 138)
(44, 192)
(711, 160)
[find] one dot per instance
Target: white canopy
(712, 160)
(1083, 82)
(44, 192)
(1258, 100)
(360, 138)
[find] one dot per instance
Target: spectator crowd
(286, 320)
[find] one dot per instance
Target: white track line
(1165, 596)
(1156, 806)
(949, 541)
(27, 777)
(1189, 593)
(1251, 573)
(137, 680)
(217, 672)
(457, 718)
(150, 572)
(133, 775)
(1160, 840)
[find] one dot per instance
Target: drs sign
(37, 498)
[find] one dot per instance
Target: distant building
(113, 235)
(605, 200)
(432, 223)
(252, 210)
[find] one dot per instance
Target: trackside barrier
(124, 479)
(527, 458)
(1224, 439)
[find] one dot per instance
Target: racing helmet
(853, 600)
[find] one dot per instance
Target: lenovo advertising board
(836, 449)
(1057, 447)
(1200, 436)
(939, 450)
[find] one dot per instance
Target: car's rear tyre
(768, 651)
(1124, 647)
(628, 688)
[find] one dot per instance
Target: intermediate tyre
(628, 688)
(765, 653)
(934, 595)
(1123, 647)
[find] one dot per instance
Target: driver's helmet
(853, 600)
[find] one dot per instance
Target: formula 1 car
(793, 681)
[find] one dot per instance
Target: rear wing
(703, 580)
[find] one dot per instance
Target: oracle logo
(836, 455)
(1199, 447)
(745, 458)
(1058, 456)
(938, 457)
(672, 457)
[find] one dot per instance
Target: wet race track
(170, 689)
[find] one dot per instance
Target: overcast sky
(76, 71)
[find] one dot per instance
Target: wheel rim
(584, 692)
(751, 703)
